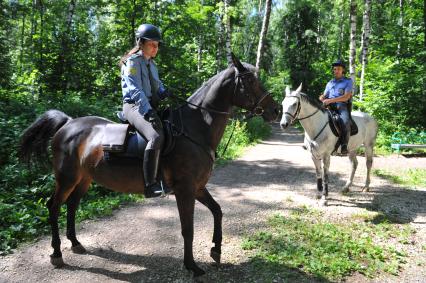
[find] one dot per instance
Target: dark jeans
(342, 109)
(155, 137)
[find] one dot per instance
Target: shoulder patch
(132, 70)
(134, 55)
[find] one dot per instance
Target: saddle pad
(114, 138)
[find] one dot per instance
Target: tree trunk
(41, 49)
(133, 24)
(21, 52)
(199, 53)
(401, 29)
(341, 34)
(364, 44)
(220, 36)
(64, 63)
(352, 45)
(263, 33)
(424, 20)
(227, 32)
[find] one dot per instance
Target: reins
(256, 111)
(295, 116)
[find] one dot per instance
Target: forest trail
(143, 243)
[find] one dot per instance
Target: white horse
(320, 140)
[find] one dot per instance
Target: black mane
(201, 91)
(312, 101)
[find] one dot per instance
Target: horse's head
(249, 93)
(291, 106)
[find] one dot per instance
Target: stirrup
(344, 149)
(153, 190)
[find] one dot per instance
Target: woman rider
(142, 90)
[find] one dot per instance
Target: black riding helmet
(148, 31)
(339, 63)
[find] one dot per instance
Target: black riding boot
(150, 168)
(344, 138)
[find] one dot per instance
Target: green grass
(310, 244)
(25, 216)
(410, 177)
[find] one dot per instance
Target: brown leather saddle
(122, 140)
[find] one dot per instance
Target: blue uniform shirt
(137, 84)
(336, 88)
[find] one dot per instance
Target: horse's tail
(35, 139)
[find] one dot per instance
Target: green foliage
(245, 134)
(411, 177)
(331, 251)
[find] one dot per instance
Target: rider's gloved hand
(166, 93)
(152, 117)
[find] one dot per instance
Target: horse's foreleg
(354, 165)
(325, 167)
(205, 198)
(72, 205)
(369, 163)
(185, 203)
(318, 171)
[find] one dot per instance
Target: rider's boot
(345, 139)
(150, 168)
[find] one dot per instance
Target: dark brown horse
(78, 158)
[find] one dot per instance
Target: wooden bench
(401, 143)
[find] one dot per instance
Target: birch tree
(352, 44)
(364, 44)
(263, 32)
(227, 18)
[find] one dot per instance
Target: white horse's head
(290, 106)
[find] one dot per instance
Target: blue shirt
(136, 83)
(336, 88)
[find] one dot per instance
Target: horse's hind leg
(64, 186)
(72, 204)
(325, 167)
(205, 198)
(354, 165)
(318, 171)
(369, 163)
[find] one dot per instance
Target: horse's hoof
(57, 261)
(79, 249)
(198, 272)
(345, 190)
(365, 189)
(202, 279)
(323, 202)
(215, 255)
(318, 196)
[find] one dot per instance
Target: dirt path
(142, 242)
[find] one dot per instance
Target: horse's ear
(299, 89)
(237, 63)
(287, 91)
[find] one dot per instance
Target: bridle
(257, 110)
(295, 116)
